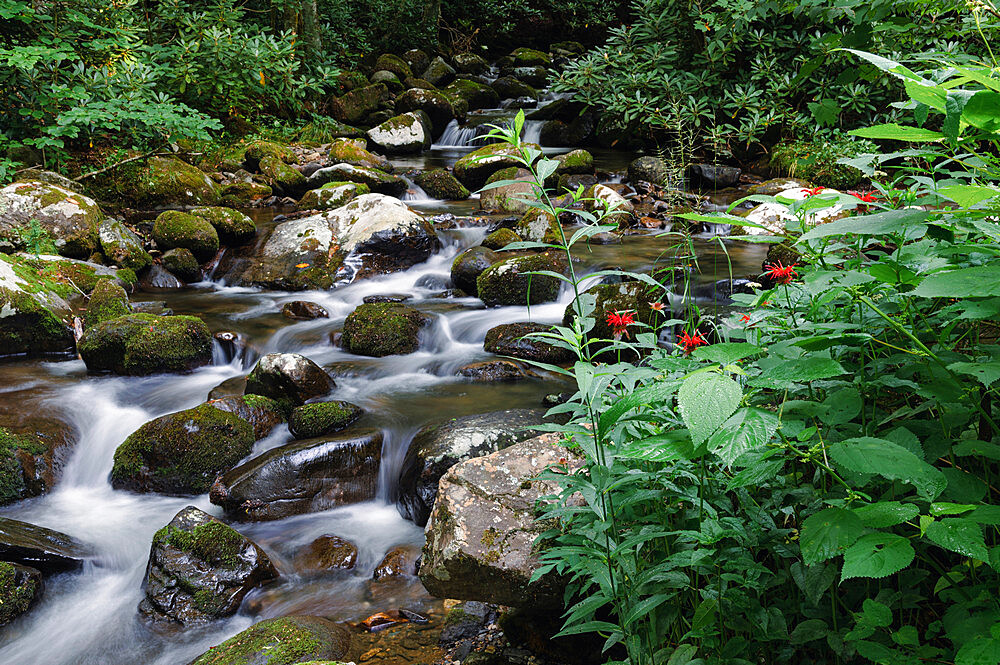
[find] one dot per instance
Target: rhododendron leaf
(877, 555)
(828, 533)
(706, 400)
(897, 133)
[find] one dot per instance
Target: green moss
(14, 598)
(231, 225)
(246, 192)
(258, 150)
(284, 641)
(382, 329)
(174, 228)
(476, 167)
(32, 328)
(356, 105)
(476, 95)
(280, 175)
(505, 282)
(527, 57)
(347, 151)
(455, 616)
(140, 344)
(817, 161)
(127, 276)
(213, 542)
(108, 301)
(321, 418)
(12, 484)
(159, 182)
(262, 402)
(441, 184)
(393, 63)
(538, 226)
(575, 162)
(500, 239)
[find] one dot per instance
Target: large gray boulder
(32, 318)
(403, 134)
(141, 344)
(40, 212)
(438, 447)
(376, 180)
(122, 246)
(200, 569)
(289, 379)
(480, 540)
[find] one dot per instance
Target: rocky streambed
(236, 425)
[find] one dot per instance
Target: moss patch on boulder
(122, 246)
(500, 239)
(107, 301)
(174, 228)
(232, 225)
(139, 344)
(476, 167)
(16, 450)
(332, 195)
(19, 586)
(317, 419)
(283, 641)
(353, 152)
(441, 184)
(160, 182)
(383, 329)
(280, 176)
(506, 282)
(356, 105)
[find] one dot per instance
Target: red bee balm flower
(620, 322)
(812, 192)
(781, 274)
(866, 197)
(691, 343)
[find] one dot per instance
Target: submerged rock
(400, 561)
(282, 641)
(505, 282)
(481, 534)
(139, 344)
(508, 339)
(328, 552)
(181, 453)
(438, 447)
(47, 550)
(49, 216)
(383, 329)
(288, 378)
(321, 418)
(304, 310)
(200, 569)
(303, 476)
(20, 587)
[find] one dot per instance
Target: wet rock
(40, 548)
(528, 57)
(357, 104)
(232, 387)
(438, 447)
(778, 185)
(158, 278)
(563, 133)
(28, 462)
(332, 195)
(633, 297)
(602, 199)
(298, 256)
(465, 621)
(538, 226)
(433, 281)
(649, 169)
(777, 220)
(714, 175)
(288, 378)
(302, 477)
(376, 181)
(481, 534)
(475, 94)
(107, 301)
(571, 183)
(468, 265)
(575, 162)
(536, 77)
(353, 152)
(383, 329)
(500, 239)
(140, 344)
(469, 63)
(155, 307)
(475, 168)
(508, 339)
(245, 193)
(263, 413)
(65, 221)
(20, 587)
(182, 264)
(436, 105)
(322, 418)
(161, 182)
(232, 226)
(256, 151)
(34, 317)
(388, 79)
(438, 72)
(395, 64)
(404, 134)
(200, 569)
(122, 246)
(174, 228)
(511, 197)
(495, 371)
(181, 453)
(400, 561)
(386, 297)
(291, 639)
(328, 552)
(509, 87)
(441, 184)
(506, 282)
(304, 310)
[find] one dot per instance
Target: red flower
(657, 306)
(812, 192)
(691, 343)
(781, 274)
(620, 323)
(745, 318)
(866, 197)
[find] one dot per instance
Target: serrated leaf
(748, 429)
(976, 282)
(978, 449)
(876, 614)
(985, 372)
(886, 513)
(706, 400)
(808, 630)
(799, 370)
(969, 195)
(897, 132)
(828, 533)
(726, 353)
(877, 555)
(885, 222)
(961, 535)
(981, 651)
(870, 455)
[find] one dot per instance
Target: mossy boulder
(436, 105)
(538, 226)
(181, 262)
(508, 87)
(283, 641)
(393, 63)
(818, 161)
(18, 456)
(328, 552)
(389, 80)
(649, 169)
(418, 83)
(417, 60)
(256, 151)
(383, 329)
(475, 94)
(44, 218)
(441, 184)
(475, 168)
(513, 339)
(233, 226)
(320, 418)
(407, 133)
(511, 197)
(298, 255)
(575, 162)
(200, 569)
(506, 282)
(174, 228)
(567, 132)
(348, 80)
(439, 72)
(469, 63)
(281, 177)
(20, 587)
(469, 265)
(528, 57)
(288, 378)
(107, 301)
(181, 453)
(263, 413)
(159, 183)
(377, 181)
(69, 278)
(34, 317)
(537, 77)
(121, 246)
(332, 195)
(139, 344)
(356, 105)
(352, 151)
(246, 193)
(601, 199)
(500, 239)
(634, 297)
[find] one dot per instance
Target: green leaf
(808, 631)
(799, 370)
(975, 282)
(828, 533)
(886, 513)
(748, 429)
(945, 508)
(980, 651)
(682, 655)
(897, 132)
(983, 111)
(877, 555)
(977, 448)
(985, 372)
(893, 462)
(706, 400)
(726, 353)
(881, 223)
(961, 535)
(876, 614)
(969, 195)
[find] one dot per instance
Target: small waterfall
(532, 132)
(415, 192)
(456, 136)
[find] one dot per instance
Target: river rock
(500, 238)
(775, 186)
(107, 301)
(776, 219)
(469, 265)
(509, 87)
(332, 195)
(475, 94)
(263, 413)
(291, 639)
(495, 371)
(33, 317)
(441, 184)
(535, 76)
(302, 476)
(388, 79)
(232, 226)
(288, 378)
(714, 175)
(480, 540)
(122, 246)
(417, 60)
(508, 339)
(400, 561)
(182, 264)
(469, 63)
(633, 297)
(439, 73)
(244, 194)
(649, 169)
(511, 197)
(299, 255)
(529, 57)
(181, 453)
(375, 180)
(575, 162)
(383, 329)
(356, 105)
(322, 418)
(440, 446)
(20, 587)
(436, 105)
(65, 219)
(539, 226)
(44, 549)
(256, 151)
(601, 199)
(200, 569)
(505, 282)
(174, 228)
(353, 152)
(328, 552)
(395, 64)
(403, 134)
(281, 177)
(304, 310)
(140, 344)
(160, 183)
(475, 168)
(25, 465)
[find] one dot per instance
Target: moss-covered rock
(528, 57)
(536, 76)
(570, 132)
(332, 195)
(232, 226)
(258, 150)
(383, 329)
(246, 193)
(159, 183)
(439, 72)
(500, 239)
(34, 316)
(181, 263)
(311, 420)
(284, 641)
(649, 169)
(263, 413)
(538, 226)
(298, 256)
(352, 151)
(280, 176)
(508, 87)
(469, 265)
(506, 282)
(377, 181)
(356, 105)
(418, 83)
(477, 95)
(107, 301)
(121, 246)
(469, 63)
(174, 228)
(139, 344)
(395, 64)
(181, 453)
(18, 453)
(513, 196)
(818, 161)
(475, 168)
(436, 105)
(406, 133)
(20, 586)
(389, 80)
(515, 340)
(441, 184)
(417, 60)
(349, 79)
(575, 162)
(633, 297)
(40, 217)
(288, 378)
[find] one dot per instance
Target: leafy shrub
(819, 160)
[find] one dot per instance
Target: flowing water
(90, 617)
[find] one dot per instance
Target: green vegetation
(15, 595)
(12, 484)
(214, 542)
